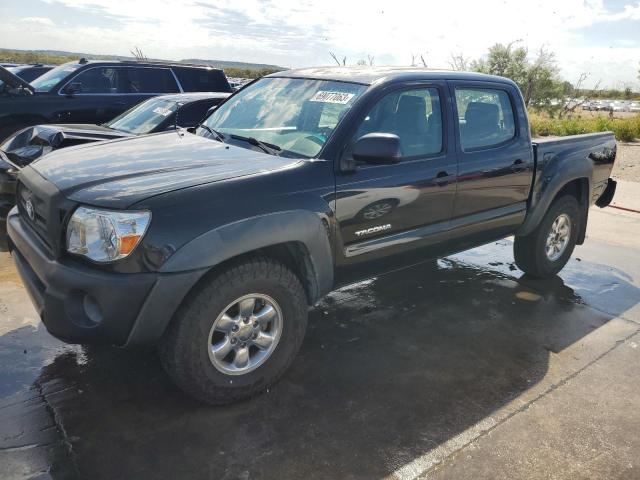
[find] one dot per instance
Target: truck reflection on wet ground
(390, 369)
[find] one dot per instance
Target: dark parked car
(96, 91)
(158, 114)
(30, 72)
(213, 245)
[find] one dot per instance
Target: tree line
(537, 74)
(9, 56)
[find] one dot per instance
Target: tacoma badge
(376, 229)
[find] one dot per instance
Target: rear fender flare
(554, 176)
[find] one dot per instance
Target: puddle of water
(390, 368)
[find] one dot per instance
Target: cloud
(44, 21)
(303, 32)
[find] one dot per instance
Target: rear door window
(485, 117)
(151, 80)
(202, 79)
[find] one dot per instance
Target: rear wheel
(238, 333)
(546, 250)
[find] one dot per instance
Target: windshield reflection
(295, 115)
(50, 79)
(144, 117)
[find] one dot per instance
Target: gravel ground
(627, 166)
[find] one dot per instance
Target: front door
(392, 214)
(101, 94)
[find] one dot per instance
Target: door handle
(518, 166)
(443, 178)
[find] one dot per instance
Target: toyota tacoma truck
(213, 245)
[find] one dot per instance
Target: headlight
(104, 235)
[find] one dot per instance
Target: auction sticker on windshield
(332, 97)
(165, 112)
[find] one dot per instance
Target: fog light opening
(92, 309)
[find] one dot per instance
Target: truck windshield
(294, 115)
(54, 76)
(145, 117)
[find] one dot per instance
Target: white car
(617, 107)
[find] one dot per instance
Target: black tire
(530, 250)
(184, 347)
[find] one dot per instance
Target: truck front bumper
(81, 304)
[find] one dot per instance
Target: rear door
(386, 209)
(495, 158)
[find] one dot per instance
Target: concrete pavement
(467, 369)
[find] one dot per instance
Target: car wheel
(546, 250)
(238, 333)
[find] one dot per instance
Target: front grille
(36, 217)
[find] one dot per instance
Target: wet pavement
(398, 376)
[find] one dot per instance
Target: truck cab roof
(368, 75)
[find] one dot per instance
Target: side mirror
(378, 149)
(72, 88)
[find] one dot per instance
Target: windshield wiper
(215, 133)
(264, 146)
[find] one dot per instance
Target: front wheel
(546, 250)
(238, 333)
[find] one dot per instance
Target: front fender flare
(247, 235)
(190, 263)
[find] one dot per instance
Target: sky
(597, 37)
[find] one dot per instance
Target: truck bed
(594, 150)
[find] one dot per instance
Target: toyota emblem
(28, 206)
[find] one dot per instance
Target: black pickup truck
(91, 91)
(213, 245)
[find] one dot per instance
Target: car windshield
(145, 117)
(294, 115)
(54, 76)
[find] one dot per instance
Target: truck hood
(122, 172)
(14, 81)
(33, 142)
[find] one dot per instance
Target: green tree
(537, 77)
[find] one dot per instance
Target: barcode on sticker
(332, 97)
